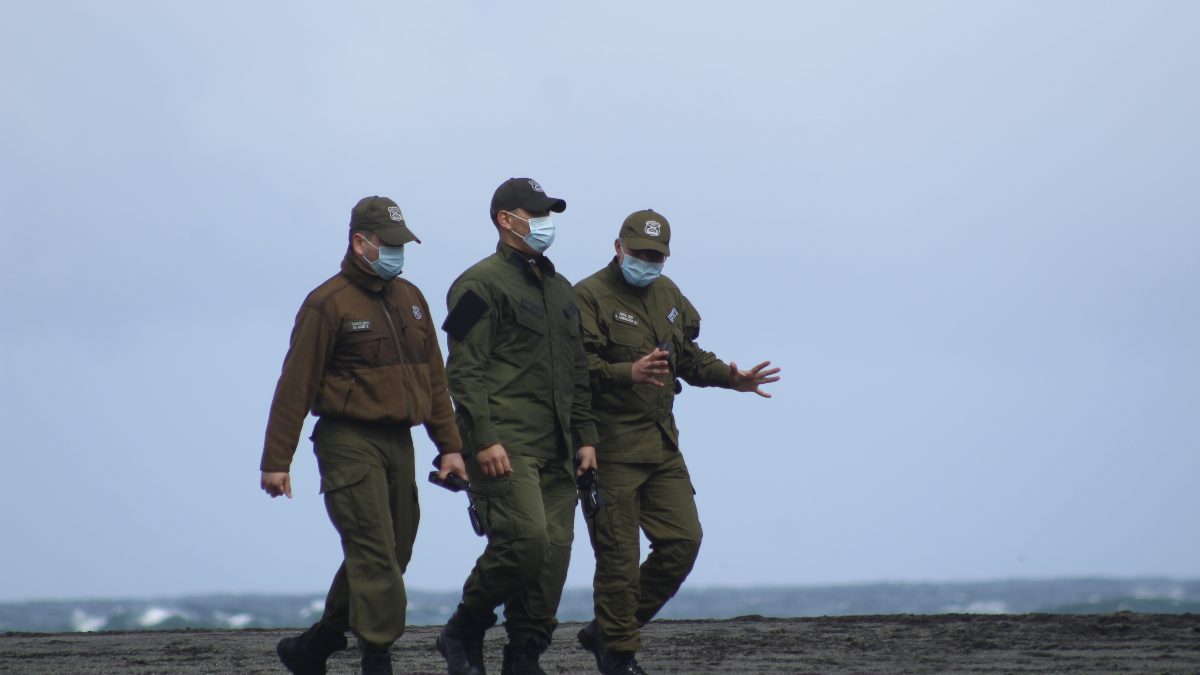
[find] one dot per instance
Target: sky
(967, 232)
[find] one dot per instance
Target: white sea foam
(978, 607)
(86, 623)
(235, 620)
(315, 607)
(155, 615)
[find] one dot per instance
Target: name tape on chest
(355, 326)
(626, 317)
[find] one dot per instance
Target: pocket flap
(335, 480)
(529, 319)
(624, 335)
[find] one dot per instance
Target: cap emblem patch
(394, 212)
(653, 228)
(416, 312)
(536, 188)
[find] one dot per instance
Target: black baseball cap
(524, 193)
(381, 216)
(646, 229)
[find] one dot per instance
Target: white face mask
(541, 232)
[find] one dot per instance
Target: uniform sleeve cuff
(622, 373)
(586, 435)
(484, 438)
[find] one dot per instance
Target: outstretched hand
(751, 380)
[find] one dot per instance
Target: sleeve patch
(571, 310)
(467, 312)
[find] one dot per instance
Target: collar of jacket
(524, 261)
(357, 271)
(617, 278)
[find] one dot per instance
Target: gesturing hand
(651, 368)
(751, 380)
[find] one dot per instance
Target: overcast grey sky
(968, 232)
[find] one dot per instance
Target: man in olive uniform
(519, 379)
(640, 334)
(364, 358)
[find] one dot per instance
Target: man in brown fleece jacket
(364, 358)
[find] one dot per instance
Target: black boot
(623, 663)
(461, 642)
(376, 660)
(306, 653)
(521, 657)
(589, 639)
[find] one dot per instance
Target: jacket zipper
(346, 405)
(391, 325)
(403, 376)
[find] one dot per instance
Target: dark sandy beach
(957, 643)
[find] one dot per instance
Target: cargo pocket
(488, 492)
(607, 524)
(342, 500)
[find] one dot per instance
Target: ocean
(1055, 596)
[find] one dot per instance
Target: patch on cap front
(394, 213)
(536, 186)
(653, 228)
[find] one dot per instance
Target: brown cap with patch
(646, 229)
(381, 216)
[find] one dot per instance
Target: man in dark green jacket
(364, 358)
(519, 379)
(640, 333)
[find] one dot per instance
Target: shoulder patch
(467, 312)
(416, 310)
(355, 326)
(571, 309)
(625, 317)
(672, 315)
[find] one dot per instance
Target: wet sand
(957, 643)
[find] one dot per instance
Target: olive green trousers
(367, 478)
(529, 518)
(659, 500)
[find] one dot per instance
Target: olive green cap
(383, 217)
(646, 229)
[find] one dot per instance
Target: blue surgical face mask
(638, 272)
(541, 232)
(390, 261)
